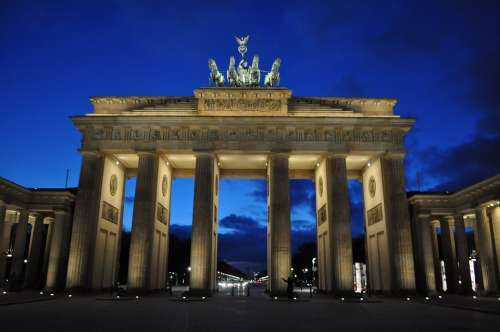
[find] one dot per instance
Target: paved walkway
(254, 313)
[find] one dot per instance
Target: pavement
(256, 312)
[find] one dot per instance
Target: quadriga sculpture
(232, 75)
(255, 72)
(273, 77)
(216, 77)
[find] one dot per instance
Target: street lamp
(9, 253)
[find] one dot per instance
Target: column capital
(91, 153)
(204, 153)
(284, 152)
(336, 154)
(60, 212)
(423, 215)
(146, 152)
(394, 155)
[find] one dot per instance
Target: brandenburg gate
(249, 133)
(240, 131)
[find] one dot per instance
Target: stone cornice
(35, 199)
(465, 199)
(243, 102)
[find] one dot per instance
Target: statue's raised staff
(273, 77)
(216, 78)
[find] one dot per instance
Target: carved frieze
(161, 214)
(374, 215)
(322, 215)
(109, 212)
(337, 135)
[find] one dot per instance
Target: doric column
(398, 224)
(48, 243)
(19, 248)
(485, 251)
(465, 286)
(477, 265)
(3, 240)
(279, 233)
(424, 255)
(341, 224)
(149, 238)
(204, 237)
(59, 250)
(450, 258)
(85, 220)
(436, 257)
(33, 268)
(143, 222)
(495, 229)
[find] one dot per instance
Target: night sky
(441, 59)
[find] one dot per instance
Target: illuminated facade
(35, 231)
(473, 209)
(249, 133)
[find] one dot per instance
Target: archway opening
(242, 233)
(181, 220)
(358, 235)
(303, 235)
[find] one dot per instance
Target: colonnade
(37, 258)
(484, 222)
(96, 231)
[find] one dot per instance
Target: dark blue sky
(439, 58)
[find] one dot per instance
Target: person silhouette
(289, 288)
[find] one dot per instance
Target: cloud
(465, 164)
(246, 244)
(239, 224)
(477, 158)
(302, 196)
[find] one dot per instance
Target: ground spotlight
(70, 296)
(41, 293)
(117, 296)
(342, 299)
(4, 293)
(408, 299)
(474, 297)
(427, 298)
(440, 297)
(203, 297)
(137, 297)
(361, 299)
(275, 297)
(183, 297)
(51, 294)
